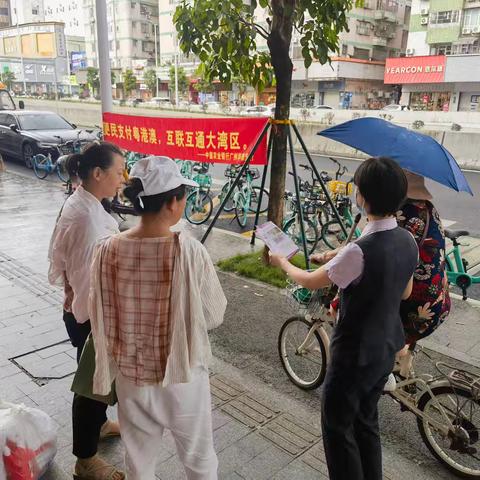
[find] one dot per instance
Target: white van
(161, 102)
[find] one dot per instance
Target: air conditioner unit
(476, 29)
(410, 51)
(466, 31)
(424, 11)
(424, 21)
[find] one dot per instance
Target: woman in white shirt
(154, 296)
(82, 224)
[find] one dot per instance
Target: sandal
(96, 468)
(109, 429)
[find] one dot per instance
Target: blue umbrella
(413, 151)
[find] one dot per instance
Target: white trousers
(185, 409)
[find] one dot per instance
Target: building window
(448, 16)
(363, 28)
(34, 10)
(361, 53)
(441, 49)
(132, 5)
(344, 50)
(471, 18)
(144, 27)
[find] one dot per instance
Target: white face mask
(361, 208)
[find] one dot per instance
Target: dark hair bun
(132, 190)
(72, 164)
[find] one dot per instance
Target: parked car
(259, 111)
(133, 102)
(396, 108)
(24, 133)
(322, 107)
(161, 102)
(213, 105)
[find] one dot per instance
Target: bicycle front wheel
(306, 367)
(41, 166)
(230, 205)
(293, 230)
(256, 197)
(459, 450)
(199, 207)
(332, 234)
(62, 172)
(241, 210)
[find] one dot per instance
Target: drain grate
(249, 411)
(52, 362)
(25, 277)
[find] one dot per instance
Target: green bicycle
(332, 232)
(199, 206)
(246, 198)
(457, 266)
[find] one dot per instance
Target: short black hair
(95, 154)
(383, 185)
(151, 203)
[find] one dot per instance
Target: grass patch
(251, 265)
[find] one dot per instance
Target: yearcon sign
(218, 140)
(430, 69)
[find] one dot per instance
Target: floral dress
(429, 303)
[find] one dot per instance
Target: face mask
(361, 208)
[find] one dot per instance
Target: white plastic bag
(28, 442)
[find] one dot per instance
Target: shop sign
(402, 70)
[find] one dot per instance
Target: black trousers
(351, 435)
(88, 415)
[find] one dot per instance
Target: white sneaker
(391, 384)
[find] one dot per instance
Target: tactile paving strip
(291, 435)
(223, 390)
(26, 278)
(249, 411)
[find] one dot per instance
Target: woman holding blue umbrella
(429, 304)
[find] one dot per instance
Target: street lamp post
(176, 71)
(19, 45)
(103, 57)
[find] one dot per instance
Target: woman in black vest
(374, 274)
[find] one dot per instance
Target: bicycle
(231, 173)
(457, 266)
(131, 158)
(332, 232)
(199, 206)
(43, 165)
(447, 406)
(246, 198)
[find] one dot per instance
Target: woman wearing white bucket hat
(429, 303)
(154, 296)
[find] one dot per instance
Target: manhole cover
(52, 362)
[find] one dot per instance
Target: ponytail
(96, 154)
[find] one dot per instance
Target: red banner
(214, 140)
(430, 69)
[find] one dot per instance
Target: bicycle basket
(231, 171)
(338, 187)
(204, 180)
(303, 300)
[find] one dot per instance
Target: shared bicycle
(446, 404)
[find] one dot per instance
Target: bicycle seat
(454, 234)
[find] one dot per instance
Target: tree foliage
(150, 79)
(7, 77)
(227, 37)
(182, 79)
(93, 80)
(129, 81)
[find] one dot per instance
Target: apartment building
(132, 28)
(5, 19)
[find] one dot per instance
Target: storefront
(448, 83)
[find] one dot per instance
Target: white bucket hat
(158, 175)
(416, 187)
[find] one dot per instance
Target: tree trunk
(279, 46)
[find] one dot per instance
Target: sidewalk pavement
(261, 431)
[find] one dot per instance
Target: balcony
(379, 42)
(385, 16)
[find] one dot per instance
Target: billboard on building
(78, 60)
(403, 70)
